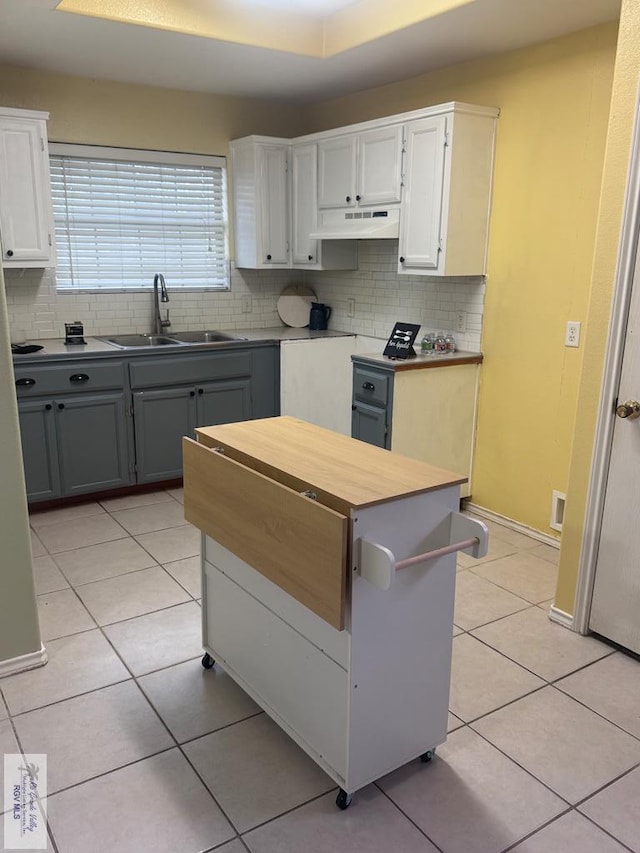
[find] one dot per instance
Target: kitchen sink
(207, 337)
(134, 341)
(177, 339)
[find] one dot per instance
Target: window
(122, 215)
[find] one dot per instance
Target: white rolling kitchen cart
(328, 571)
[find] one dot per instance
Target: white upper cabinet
(337, 172)
(422, 207)
(362, 169)
(26, 219)
(307, 252)
(423, 177)
(444, 216)
(380, 166)
(261, 202)
(304, 170)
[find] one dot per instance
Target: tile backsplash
(380, 297)
(37, 311)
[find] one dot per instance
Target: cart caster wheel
(428, 755)
(207, 661)
(343, 800)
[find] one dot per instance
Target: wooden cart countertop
(346, 473)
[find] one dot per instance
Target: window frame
(62, 149)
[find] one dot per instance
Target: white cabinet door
(274, 204)
(25, 194)
(379, 166)
(337, 172)
(304, 168)
(421, 212)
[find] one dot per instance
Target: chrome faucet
(159, 323)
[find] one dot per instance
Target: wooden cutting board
(294, 305)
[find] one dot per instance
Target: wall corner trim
(11, 666)
(561, 618)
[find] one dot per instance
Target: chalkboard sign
(400, 344)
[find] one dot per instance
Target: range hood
(380, 224)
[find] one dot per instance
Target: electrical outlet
(351, 308)
(461, 321)
(572, 334)
(246, 305)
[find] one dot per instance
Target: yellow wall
(554, 101)
(96, 112)
(623, 106)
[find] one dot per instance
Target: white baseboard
(561, 618)
(512, 525)
(30, 661)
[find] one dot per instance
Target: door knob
(629, 409)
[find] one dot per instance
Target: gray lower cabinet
(369, 423)
(75, 445)
(76, 434)
(162, 417)
(92, 442)
(108, 423)
(370, 409)
(39, 450)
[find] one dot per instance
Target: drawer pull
(308, 493)
(368, 386)
(26, 382)
(79, 377)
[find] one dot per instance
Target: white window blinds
(119, 221)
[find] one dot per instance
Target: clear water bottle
(450, 341)
(427, 344)
(440, 344)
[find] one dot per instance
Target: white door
(24, 200)
(421, 211)
(274, 205)
(379, 166)
(615, 607)
(304, 168)
(337, 172)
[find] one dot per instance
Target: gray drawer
(370, 386)
(34, 381)
(163, 371)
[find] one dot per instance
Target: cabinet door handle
(192, 393)
(200, 390)
(61, 406)
(358, 198)
(368, 386)
(9, 253)
(268, 257)
(26, 382)
(48, 407)
(401, 259)
(348, 198)
(310, 257)
(79, 377)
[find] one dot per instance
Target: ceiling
(297, 51)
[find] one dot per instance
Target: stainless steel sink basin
(176, 339)
(206, 337)
(134, 341)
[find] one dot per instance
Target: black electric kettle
(319, 316)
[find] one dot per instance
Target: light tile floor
(148, 752)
